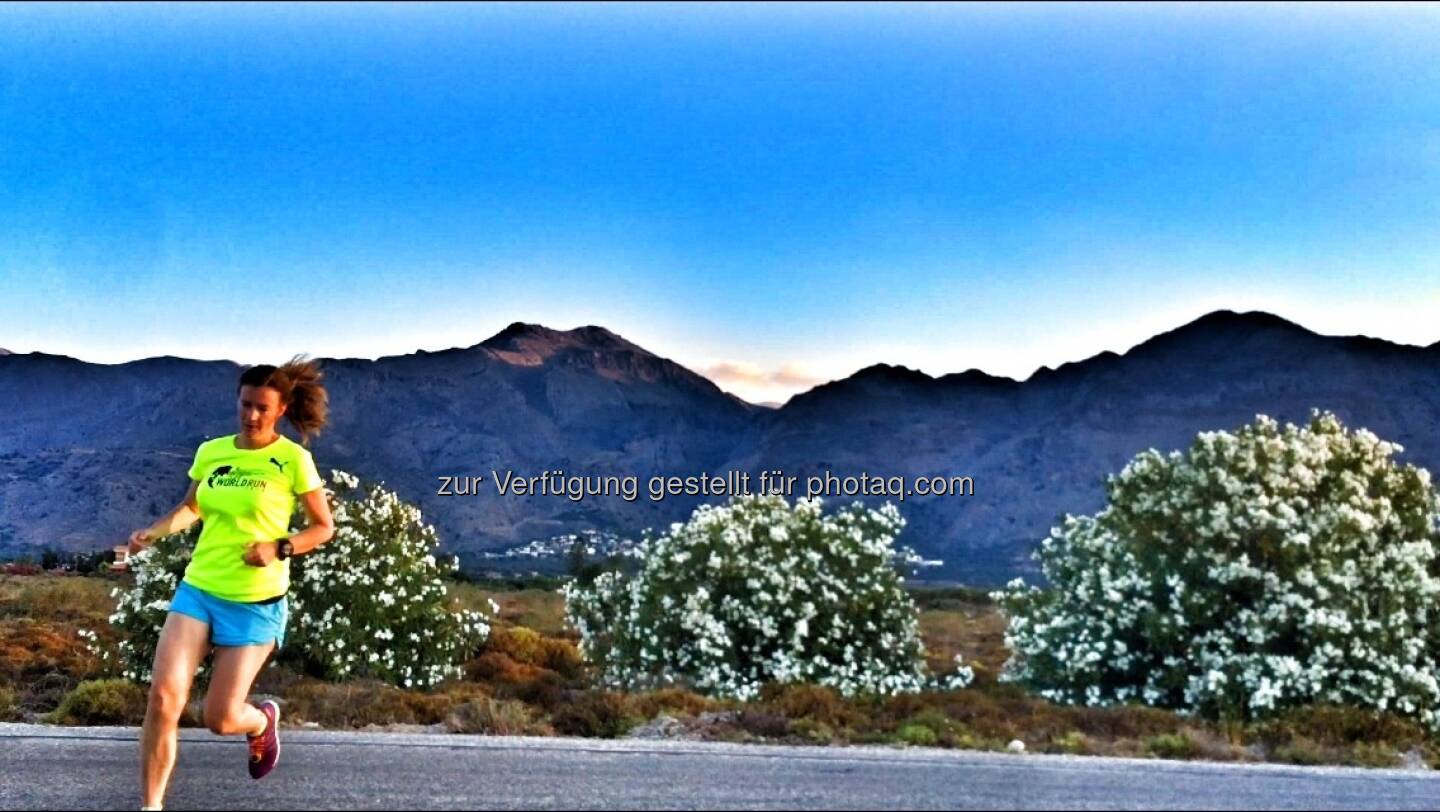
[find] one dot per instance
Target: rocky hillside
(89, 451)
(1041, 448)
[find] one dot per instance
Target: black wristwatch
(283, 549)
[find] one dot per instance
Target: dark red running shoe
(265, 748)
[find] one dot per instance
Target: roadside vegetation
(528, 679)
(762, 621)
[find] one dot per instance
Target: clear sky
(772, 195)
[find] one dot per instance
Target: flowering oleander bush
(140, 610)
(1269, 568)
(757, 591)
(371, 601)
(368, 603)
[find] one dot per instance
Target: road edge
(672, 747)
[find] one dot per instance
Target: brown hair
(298, 382)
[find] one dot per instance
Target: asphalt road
(96, 768)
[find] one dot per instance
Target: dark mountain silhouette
(90, 451)
(529, 399)
(1041, 448)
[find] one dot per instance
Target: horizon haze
(721, 381)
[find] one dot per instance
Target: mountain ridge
(532, 330)
(88, 450)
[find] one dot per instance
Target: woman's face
(260, 408)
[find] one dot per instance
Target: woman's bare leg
(184, 642)
(235, 668)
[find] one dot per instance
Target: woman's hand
(139, 540)
(261, 553)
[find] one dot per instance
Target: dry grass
(675, 701)
(362, 703)
(30, 649)
(539, 609)
(813, 702)
(977, 633)
(494, 667)
(528, 647)
(60, 598)
(1330, 734)
(595, 715)
(495, 717)
(42, 656)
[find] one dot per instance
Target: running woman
(232, 597)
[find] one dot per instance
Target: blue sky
(776, 195)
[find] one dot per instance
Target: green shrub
(918, 735)
(1373, 754)
(814, 732)
(948, 732)
(102, 702)
(1172, 745)
(1074, 742)
(9, 705)
(519, 644)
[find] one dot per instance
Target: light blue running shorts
(233, 623)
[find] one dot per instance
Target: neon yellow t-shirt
(246, 495)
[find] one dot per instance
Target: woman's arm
(180, 517)
(320, 530)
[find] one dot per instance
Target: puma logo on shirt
(278, 464)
